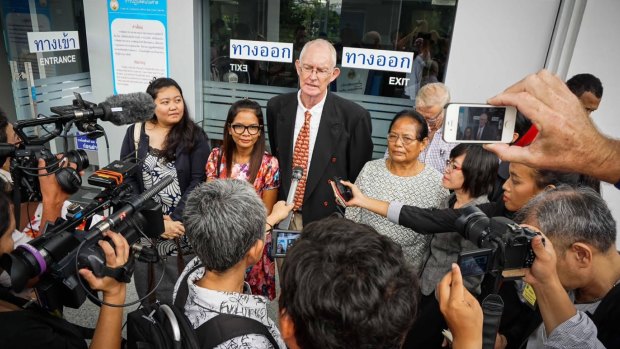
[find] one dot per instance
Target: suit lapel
(329, 130)
(286, 141)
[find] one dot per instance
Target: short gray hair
(568, 215)
(223, 219)
(433, 94)
(324, 42)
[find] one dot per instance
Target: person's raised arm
(567, 138)
(278, 213)
(53, 196)
(553, 302)
(360, 200)
(109, 324)
(461, 310)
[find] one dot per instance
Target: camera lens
(79, 157)
(472, 224)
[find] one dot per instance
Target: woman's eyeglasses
(393, 138)
(452, 166)
(240, 129)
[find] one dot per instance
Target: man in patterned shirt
(225, 224)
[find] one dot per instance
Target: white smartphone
(479, 123)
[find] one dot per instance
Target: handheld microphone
(133, 205)
(298, 172)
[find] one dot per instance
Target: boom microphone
(128, 108)
(120, 109)
(298, 172)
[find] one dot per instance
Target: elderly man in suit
(319, 131)
(485, 130)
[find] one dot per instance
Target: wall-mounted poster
(139, 43)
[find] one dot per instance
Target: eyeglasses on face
(432, 119)
(393, 138)
(320, 72)
(452, 166)
(240, 129)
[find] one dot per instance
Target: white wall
(184, 59)
(597, 52)
(495, 44)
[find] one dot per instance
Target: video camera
(57, 255)
(119, 109)
(504, 245)
(25, 168)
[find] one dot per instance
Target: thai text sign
(261, 50)
(363, 58)
(53, 41)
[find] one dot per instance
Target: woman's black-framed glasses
(240, 129)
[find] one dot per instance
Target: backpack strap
(183, 291)
(137, 128)
(225, 327)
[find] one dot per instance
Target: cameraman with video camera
(25, 324)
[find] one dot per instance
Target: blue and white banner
(139, 43)
(363, 58)
(53, 41)
(261, 50)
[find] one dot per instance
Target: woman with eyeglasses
(522, 185)
(401, 176)
(243, 156)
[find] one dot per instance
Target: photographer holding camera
(25, 324)
(576, 272)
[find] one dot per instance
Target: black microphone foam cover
(128, 108)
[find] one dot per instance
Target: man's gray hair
(323, 42)
(433, 94)
(223, 219)
(568, 215)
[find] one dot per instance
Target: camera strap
(123, 273)
(492, 308)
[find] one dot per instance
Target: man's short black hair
(581, 83)
(346, 286)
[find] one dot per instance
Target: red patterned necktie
(300, 158)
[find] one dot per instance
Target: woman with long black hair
(170, 144)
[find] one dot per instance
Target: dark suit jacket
(343, 145)
(489, 132)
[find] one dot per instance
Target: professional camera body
(504, 245)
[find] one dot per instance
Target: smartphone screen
(283, 240)
(479, 123)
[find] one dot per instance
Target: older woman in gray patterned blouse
(401, 177)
